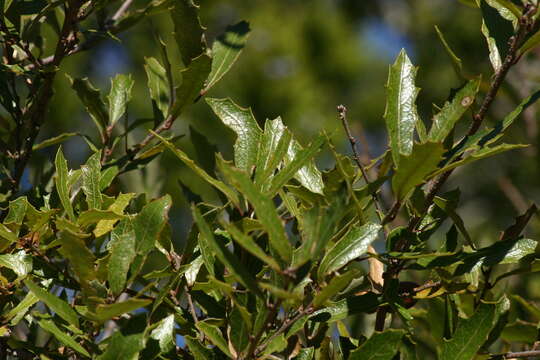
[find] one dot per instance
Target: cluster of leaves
(276, 269)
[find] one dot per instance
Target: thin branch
(122, 10)
(342, 113)
(521, 354)
(36, 113)
(254, 340)
(191, 305)
(284, 326)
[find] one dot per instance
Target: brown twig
(521, 354)
(36, 114)
(342, 113)
(284, 326)
(122, 10)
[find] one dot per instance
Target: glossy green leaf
(55, 303)
(488, 136)
(350, 306)
(122, 248)
(225, 51)
(8, 235)
(122, 346)
(452, 111)
(53, 141)
(228, 259)
(215, 336)
(414, 168)
(93, 216)
(506, 8)
(456, 61)
(188, 31)
(529, 307)
(336, 285)
(119, 96)
(497, 30)
(18, 312)
(198, 350)
(62, 336)
(91, 173)
(81, 258)
(193, 80)
(400, 114)
(300, 160)
(276, 345)
(250, 245)
(163, 333)
(20, 263)
(16, 214)
(520, 332)
(105, 312)
(239, 334)
(91, 99)
(158, 84)
(317, 226)
(229, 193)
(508, 251)
(380, 346)
(306, 354)
(264, 208)
(243, 123)
(107, 177)
(309, 176)
(478, 155)
(353, 245)
(531, 43)
(274, 145)
(494, 55)
(470, 334)
(61, 181)
(118, 206)
(149, 223)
